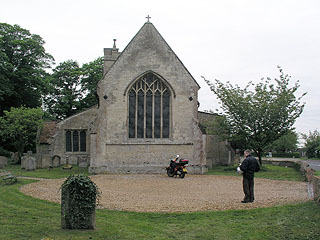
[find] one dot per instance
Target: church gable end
(148, 110)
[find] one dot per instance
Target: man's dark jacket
(249, 166)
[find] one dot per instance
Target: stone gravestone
(73, 160)
(3, 162)
(83, 161)
(45, 161)
(56, 161)
(23, 162)
(63, 160)
(24, 158)
(15, 157)
(30, 163)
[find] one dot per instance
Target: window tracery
(149, 108)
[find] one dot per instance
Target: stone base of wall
(141, 169)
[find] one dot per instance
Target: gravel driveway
(159, 193)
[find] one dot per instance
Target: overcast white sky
(230, 40)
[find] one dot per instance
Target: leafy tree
(92, 74)
(64, 95)
(23, 61)
(72, 88)
(262, 115)
(286, 143)
(312, 144)
(19, 127)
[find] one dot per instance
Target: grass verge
(24, 217)
(52, 173)
(267, 171)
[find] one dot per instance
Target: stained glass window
(140, 123)
(83, 141)
(149, 114)
(76, 141)
(68, 142)
(165, 114)
(157, 114)
(132, 114)
(149, 108)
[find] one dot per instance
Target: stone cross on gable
(148, 17)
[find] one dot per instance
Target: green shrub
(4, 152)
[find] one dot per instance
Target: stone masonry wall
(146, 52)
(57, 149)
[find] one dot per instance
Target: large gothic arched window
(149, 108)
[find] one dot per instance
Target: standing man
(248, 167)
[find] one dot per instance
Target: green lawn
(52, 173)
(267, 171)
(23, 217)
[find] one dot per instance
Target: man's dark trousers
(248, 186)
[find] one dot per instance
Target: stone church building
(147, 114)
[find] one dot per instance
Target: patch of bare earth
(159, 193)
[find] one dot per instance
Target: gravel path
(159, 193)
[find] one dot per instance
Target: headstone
(15, 157)
(83, 161)
(30, 163)
(55, 161)
(73, 160)
(46, 161)
(3, 161)
(38, 157)
(23, 162)
(24, 158)
(63, 160)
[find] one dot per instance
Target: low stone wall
(305, 170)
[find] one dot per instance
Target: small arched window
(149, 108)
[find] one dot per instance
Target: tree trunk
(259, 152)
(260, 159)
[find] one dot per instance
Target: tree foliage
(286, 143)
(64, 90)
(72, 88)
(260, 113)
(23, 61)
(92, 74)
(312, 144)
(19, 127)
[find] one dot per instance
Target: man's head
(247, 152)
